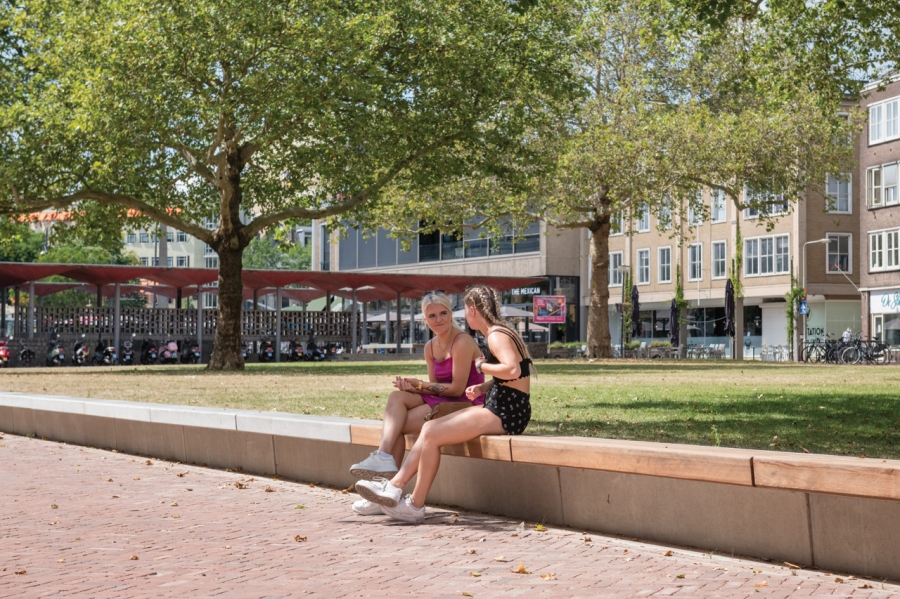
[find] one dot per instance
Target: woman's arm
(462, 364)
(506, 352)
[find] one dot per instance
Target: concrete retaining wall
(836, 514)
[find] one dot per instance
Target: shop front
(884, 306)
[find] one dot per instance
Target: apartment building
(705, 250)
(879, 202)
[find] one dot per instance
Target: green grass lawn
(839, 410)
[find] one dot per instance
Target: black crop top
(524, 365)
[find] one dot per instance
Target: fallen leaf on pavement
(864, 586)
(667, 553)
(59, 561)
(190, 489)
(20, 572)
(470, 551)
(475, 574)
(466, 594)
(764, 583)
(551, 576)
(299, 507)
(54, 522)
(839, 580)
(149, 463)
(540, 528)
(270, 490)
(109, 480)
(520, 570)
(793, 566)
(240, 485)
(176, 517)
(115, 497)
(680, 576)
(521, 527)
(53, 506)
(180, 474)
(299, 539)
(173, 504)
(134, 557)
(586, 539)
(501, 559)
(136, 478)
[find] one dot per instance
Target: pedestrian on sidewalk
(506, 410)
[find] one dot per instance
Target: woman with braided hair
(506, 410)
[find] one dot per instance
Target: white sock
(382, 454)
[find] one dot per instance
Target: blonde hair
(487, 302)
(439, 297)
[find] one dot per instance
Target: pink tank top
(443, 372)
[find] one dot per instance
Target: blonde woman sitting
(506, 411)
(450, 356)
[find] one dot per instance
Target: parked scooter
(104, 354)
(127, 358)
(80, 352)
(56, 354)
(168, 354)
(266, 351)
(4, 353)
(190, 352)
(295, 351)
(149, 352)
(26, 355)
(313, 353)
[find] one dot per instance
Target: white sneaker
(365, 507)
(379, 491)
(406, 512)
(374, 466)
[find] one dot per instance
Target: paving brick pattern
(81, 522)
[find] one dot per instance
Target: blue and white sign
(885, 302)
(804, 308)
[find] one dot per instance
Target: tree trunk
(598, 340)
(227, 345)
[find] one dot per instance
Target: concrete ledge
(837, 513)
(867, 477)
(710, 464)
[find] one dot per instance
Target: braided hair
(487, 302)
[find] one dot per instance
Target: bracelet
(478, 363)
(419, 388)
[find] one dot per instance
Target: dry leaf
(53, 506)
(149, 463)
(793, 566)
(173, 504)
(59, 561)
(762, 584)
(54, 522)
(514, 534)
(475, 574)
(586, 539)
(839, 580)
(270, 490)
(176, 517)
(116, 497)
(190, 489)
(668, 553)
(520, 570)
(470, 551)
(680, 576)
(551, 576)
(540, 528)
(180, 474)
(466, 594)
(240, 485)
(345, 492)
(864, 586)
(137, 478)
(299, 539)
(521, 527)
(134, 557)
(109, 480)
(452, 520)
(501, 559)
(20, 572)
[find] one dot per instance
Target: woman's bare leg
(425, 456)
(415, 418)
(395, 416)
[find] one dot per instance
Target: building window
(767, 256)
(615, 276)
(184, 261)
(170, 236)
(665, 265)
(643, 217)
(665, 216)
(615, 224)
(145, 237)
(766, 204)
(881, 186)
(643, 267)
(144, 261)
(210, 222)
(837, 192)
(131, 238)
(884, 250)
(210, 300)
(718, 214)
(211, 261)
(170, 261)
(718, 260)
(883, 121)
(695, 262)
(838, 252)
(181, 237)
(695, 212)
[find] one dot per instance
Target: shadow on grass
(837, 424)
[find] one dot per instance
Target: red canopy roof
(370, 286)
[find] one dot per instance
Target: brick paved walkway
(80, 522)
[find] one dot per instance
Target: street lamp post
(622, 269)
(804, 316)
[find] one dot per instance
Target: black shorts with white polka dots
(511, 406)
